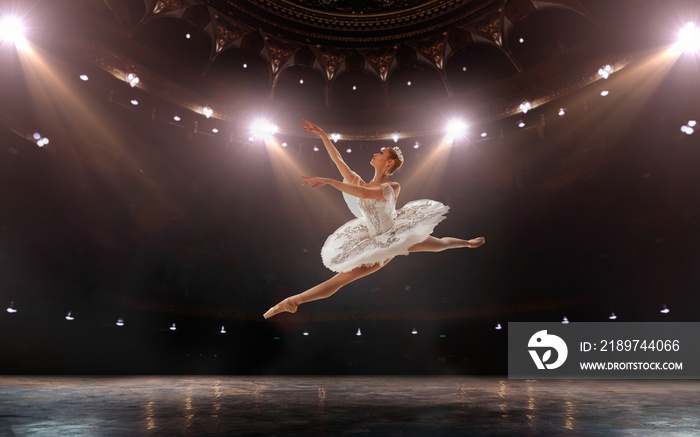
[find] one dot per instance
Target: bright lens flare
(11, 30)
(456, 129)
(688, 39)
(263, 129)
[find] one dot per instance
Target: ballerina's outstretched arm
(345, 171)
(363, 192)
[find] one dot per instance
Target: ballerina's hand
(312, 127)
(316, 181)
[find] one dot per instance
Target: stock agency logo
(546, 342)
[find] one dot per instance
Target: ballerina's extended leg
(322, 290)
(433, 244)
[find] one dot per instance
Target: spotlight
(223, 330)
(12, 31)
(359, 332)
(215, 130)
(120, 322)
(84, 77)
(395, 137)
(605, 71)
(335, 137)
(70, 317)
(464, 68)
(525, 106)
(688, 39)
(132, 79)
(306, 333)
(188, 36)
(456, 129)
(301, 81)
(565, 321)
(408, 83)
(664, 310)
(484, 135)
(315, 148)
(604, 93)
(687, 130)
(612, 316)
(263, 129)
(245, 65)
(354, 88)
(349, 150)
(134, 102)
(521, 40)
(207, 111)
(562, 112)
(173, 327)
(692, 123)
(11, 309)
(177, 118)
(417, 145)
(414, 331)
(521, 123)
(284, 144)
(498, 326)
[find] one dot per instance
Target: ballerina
(379, 233)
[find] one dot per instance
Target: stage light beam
(688, 39)
(456, 129)
(12, 31)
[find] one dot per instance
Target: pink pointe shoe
(286, 305)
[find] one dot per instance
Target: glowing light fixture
(245, 65)
(565, 320)
(315, 148)
(11, 309)
(84, 77)
(120, 322)
(41, 141)
(414, 331)
(354, 87)
(134, 102)
(395, 137)
(335, 137)
(604, 93)
(223, 330)
(207, 111)
(688, 128)
(612, 316)
(521, 123)
(665, 310)
(408, 83)
(562, 112)
(692, 123)
(173, 327)
(263, 129)
(464, 68)
(284, 144)
(12, 31)
(359, 332)
(306, 333)
(177, 118)
(215, 130)
(349, 150)
(521, 40)
(301, 81)
(70, 317)
(417, 145)
(525, 106)
(456, 129)
(498, 326)
(132, 79)
(688, 39)
(605, 71)
(188, 36)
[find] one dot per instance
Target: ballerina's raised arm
(345, 171)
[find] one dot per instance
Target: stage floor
(366, 406)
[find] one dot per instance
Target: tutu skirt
(351, 245)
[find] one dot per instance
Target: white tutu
(355, 244)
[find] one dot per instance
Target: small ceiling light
(604, 93)
(223, 330)
(84, 77)
(525, 106)
(349, 150)
(688, 39)
(395, 137)
(665, 310)
(417, 145)
(414, 331)
(11, 309)
(521, 40)
(687, 130)
(120, 322)
(335, 137)
(692, 123)
(464, 68)
(306, 333)
(605, 71)
(315, 148)
(284, 144)
(301, 81)
(70, 317)
(245, 65)
(562, 112)
(354, 87)
(251, 138)
(565, 320)
(134, 102)
(215, 130)
(521, 123)
(207, 111)
(173, 327)
(498, 326)
(359, 332)
(132, 79)
(177, 118)
(612, 316)
(188, 36)
(42, 142)
(484, 135)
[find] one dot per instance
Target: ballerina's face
(381, 158)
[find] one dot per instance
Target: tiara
(398, 153)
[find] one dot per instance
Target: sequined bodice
(379, 214)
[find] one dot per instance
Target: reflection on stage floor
(325, 406)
